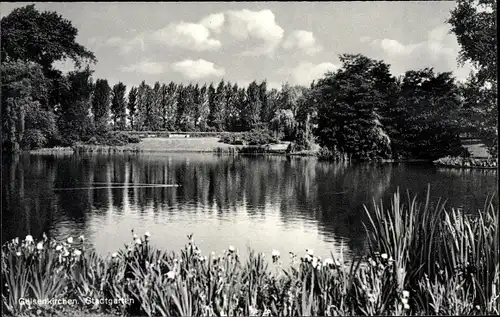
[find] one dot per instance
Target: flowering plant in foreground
(141, 280)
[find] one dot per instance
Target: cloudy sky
(242, 41)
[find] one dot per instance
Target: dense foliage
(475, 25)
(360, 111)
(253, 137)
(423, 259)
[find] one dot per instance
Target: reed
(105, 149)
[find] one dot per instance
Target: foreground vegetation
(467, 162)
(422, 259)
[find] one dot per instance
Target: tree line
(360, 111)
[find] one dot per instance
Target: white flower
(231, 249)
(16, 240)
(276, 253)
(39, 245)
(337, 262)
(372, 262)
(328, 261)
(315, 262)
(59, 248)
(310, 252)
(29, 238)
(406, 294)
(82, 238)
(404, 300)
(114, 255)
(171, 275)
(371, 297)
(384, 256)
(406, 306)
(77, 252)
(138, 241)
(18, 253)
(147, 234)
(66, 253)
(70, 240)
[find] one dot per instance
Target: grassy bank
(423, 259)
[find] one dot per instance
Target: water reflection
(265, 201)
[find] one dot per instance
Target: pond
(266, 202)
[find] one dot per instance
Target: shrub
(326, 154)
(133, 139)
(33, 139)
(253, 137)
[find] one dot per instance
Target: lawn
(208, 144)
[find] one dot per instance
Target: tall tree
(74, 121)
(220, 107)
(474, 24)
(132, 106)
(263, 100)
(241, 101)
(156, 104)
(119, 106)
(211, 107)
(23, 87)
(349, 105)
(426, 118)
(101, 104)
(171, 109)
(140, 119)
(233, 111)
(203, 108)
(181, 107)
(43, 38)
(252, 110)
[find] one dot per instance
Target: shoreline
(213, 145)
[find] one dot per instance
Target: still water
(266, 202)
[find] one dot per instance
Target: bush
(133, 139)
(33, 139)
(326, 154)
(253, 137)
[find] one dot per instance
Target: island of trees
(360, 111)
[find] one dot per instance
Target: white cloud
(213, 22)
(302, 40)
(146, 67)
(196, 69)
(439, 42)
(440, 50)
(259, 25)
(306, 72)
(187, 35)
(393, 47)
(127, 45)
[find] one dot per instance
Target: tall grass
(87, 148)
(436, 251)
(423, 259)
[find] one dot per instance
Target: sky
(294, 42)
